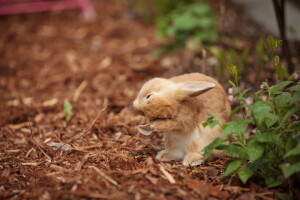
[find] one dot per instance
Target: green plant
(272, 45)
(149, 10)
(68, 110)
(229, 56)
(265, 143)
(188, 21)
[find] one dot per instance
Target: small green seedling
(68, 110)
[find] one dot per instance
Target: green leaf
(233, 70)
(294, 151)
(238, 127)
(280, 71)
(294, 126)
(273, 42)
(232, 167)
(271, 182)
(68, 109)
(231, 83)
(200, 9)
(237, 109)
(269, 157)
(271, 120)
(289, 170)
(294, 88)
(270, 41)
(255, 149)
(278, 43)
(211, 122)
(283, 99)
(237, 151)
(280, 86)
(276, 60)
(270, 138)
(209, 148)
(283, 196)
(288, 114)
(290, 144)
(262, 113)
(185, 22)
(296, 97)
(245, 173)
(206, 22)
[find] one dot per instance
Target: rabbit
(177, 107)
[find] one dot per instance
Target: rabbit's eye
(148, 96)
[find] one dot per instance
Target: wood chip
(29, 152)
(13, 150)
(79, 90)
(18, 126)
(167, 174)
(30, 164)
(104, 175)
(58, 168)
(50, 102)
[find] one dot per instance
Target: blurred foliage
(149, 10)
(229, 56)
(190, 25)
(184, 23)
(265, 143)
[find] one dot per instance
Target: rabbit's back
(213, 101)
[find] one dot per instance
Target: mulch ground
(99, 66)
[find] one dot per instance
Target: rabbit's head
(161, 98)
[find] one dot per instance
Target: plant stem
(279, 6)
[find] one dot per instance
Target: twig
(167, 174)
(29, 152)
(35, 142)
(30, 164)
(13, 150)
(262, 195)
(88, 129)
(58, 168)
(104, 175)
(18, 126)
(79, 90)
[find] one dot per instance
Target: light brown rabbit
(176, 107)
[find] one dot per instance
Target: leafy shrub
(194, 21)
(229, 56)
(265, 142)
(149, 10)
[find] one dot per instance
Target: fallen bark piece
(19, 126)
(59, 146)
(30, 164)
(104, 175)
(167, 174)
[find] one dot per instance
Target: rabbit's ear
(194, 88)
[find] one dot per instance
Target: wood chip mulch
(47, 58)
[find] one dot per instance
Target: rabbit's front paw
(193, 159)
(160, 126)
(164, 155)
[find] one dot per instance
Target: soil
(98, 66)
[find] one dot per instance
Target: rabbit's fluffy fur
(177, 107)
